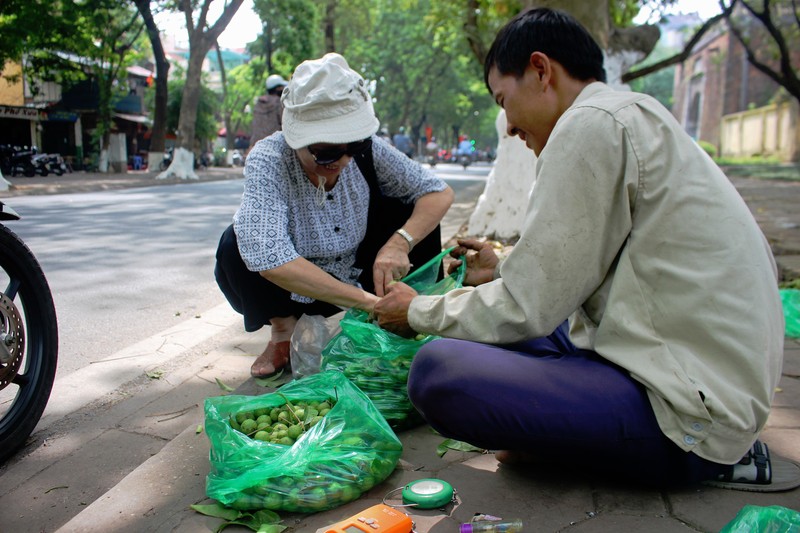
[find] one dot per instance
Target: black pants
(250, 294)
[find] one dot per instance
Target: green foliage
(751, 161)
(708, 148)
(623, 12)
(290, 33)
(659, 84)
(244, 84)
(263, 521)
(22, 29)
(790, 284)
(421, 73)
(206, 127)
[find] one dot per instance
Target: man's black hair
(554, 33)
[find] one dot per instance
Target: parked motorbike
(28, 339)
(167, 161)
(18, 160)
(464, 161)
(237, 159)
(53, 163)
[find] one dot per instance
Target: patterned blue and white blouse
(283, 216)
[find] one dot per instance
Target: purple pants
(545, 397)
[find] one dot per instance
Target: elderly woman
(300, 242)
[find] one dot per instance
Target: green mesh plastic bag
(337, 458)
(377, 360)
(772, 519)
(791, 311)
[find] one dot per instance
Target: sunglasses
(326, 156)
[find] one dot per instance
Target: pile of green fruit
(284, 424)
(383, 379)
(323, 485)
(314, 444)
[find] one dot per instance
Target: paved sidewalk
(155, 497)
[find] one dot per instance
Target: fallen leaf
(450, 444)
(158, 373)
(226, 388)
(217, 510)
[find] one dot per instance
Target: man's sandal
(757, 471)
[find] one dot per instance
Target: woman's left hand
(390, 265)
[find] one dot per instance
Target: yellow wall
(772, 130)
(11, 93)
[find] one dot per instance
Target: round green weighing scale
(428, 493)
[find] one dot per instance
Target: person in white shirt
(635, 330)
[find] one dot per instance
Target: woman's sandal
(757, 471)
(274, 359)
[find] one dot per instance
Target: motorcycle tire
(26, 306)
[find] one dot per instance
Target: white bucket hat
(327, 102)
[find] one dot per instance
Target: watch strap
(407, 236)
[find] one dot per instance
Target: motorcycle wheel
(28, 343)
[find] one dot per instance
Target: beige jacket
(636, 235)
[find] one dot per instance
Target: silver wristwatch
(407, 236)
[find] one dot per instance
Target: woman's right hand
(481, 261)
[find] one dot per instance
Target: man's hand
(392, 310)
(481, 261)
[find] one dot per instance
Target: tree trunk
(501, 209)
(183, 167)
(330, 26)
(202, 37)
(593, 14)
(158, 132)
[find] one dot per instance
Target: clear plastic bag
(311, 334)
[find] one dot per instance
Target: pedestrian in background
(403, 142)
(268, 110)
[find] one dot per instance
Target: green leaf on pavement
(158, 373)
(270, 381)
(271, 528)
(262, 521)
(450, 444)
(199, 429)
(226, 388)
(217, 510)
